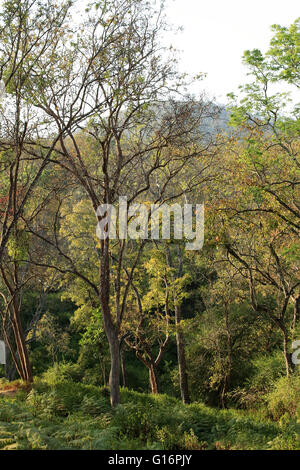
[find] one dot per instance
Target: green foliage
(233, 300)
(284, 399)
(62, 372)
(17, 246)
(289, 438)
(68, 415)
(263, 372)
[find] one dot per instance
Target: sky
(217, 32)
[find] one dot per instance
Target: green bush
(62, 372)
(63, 398)
(285, 398)
(265, 370)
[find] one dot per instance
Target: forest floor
(68, 415)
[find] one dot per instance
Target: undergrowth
(68, 415)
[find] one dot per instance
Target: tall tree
(142, 134)
(262, 217)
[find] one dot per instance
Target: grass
(68, 415)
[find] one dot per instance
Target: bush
(63, 398)
(289, 439)
(265, 371)
(62, 372)
(285, 398)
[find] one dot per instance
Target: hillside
(68, 415)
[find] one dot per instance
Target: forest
(137, 342)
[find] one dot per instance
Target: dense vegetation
(59, 413)
(135, 343)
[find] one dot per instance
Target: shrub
(62, 372)
(63, 398)
(285, 398)
(266, 369)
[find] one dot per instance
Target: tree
(31, 33)
(143, 131)
(33, 56)
(18, 275)
(149, 324)
(175, 260)
(261, 231)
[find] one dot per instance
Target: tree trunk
(123, 368)
(228, 371)
(111, 329)
(18, 349)
(287, 356)
(25, 359)
(115, 368)
(296, 312)
(22, 349)
(153, 379)
(183, 379)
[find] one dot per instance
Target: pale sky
(217, 32)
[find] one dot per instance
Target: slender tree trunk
(287, 356)
(22, 348)
(111, 329)
(104, 375)
(23, 352)
(183, 379)
(20, 356)
(115, 369)
(153, 379)
(123, 368)
(223, 393)
(296, 312)
(13, 353)
(114, 349)
(228, 372)
(18, 348)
